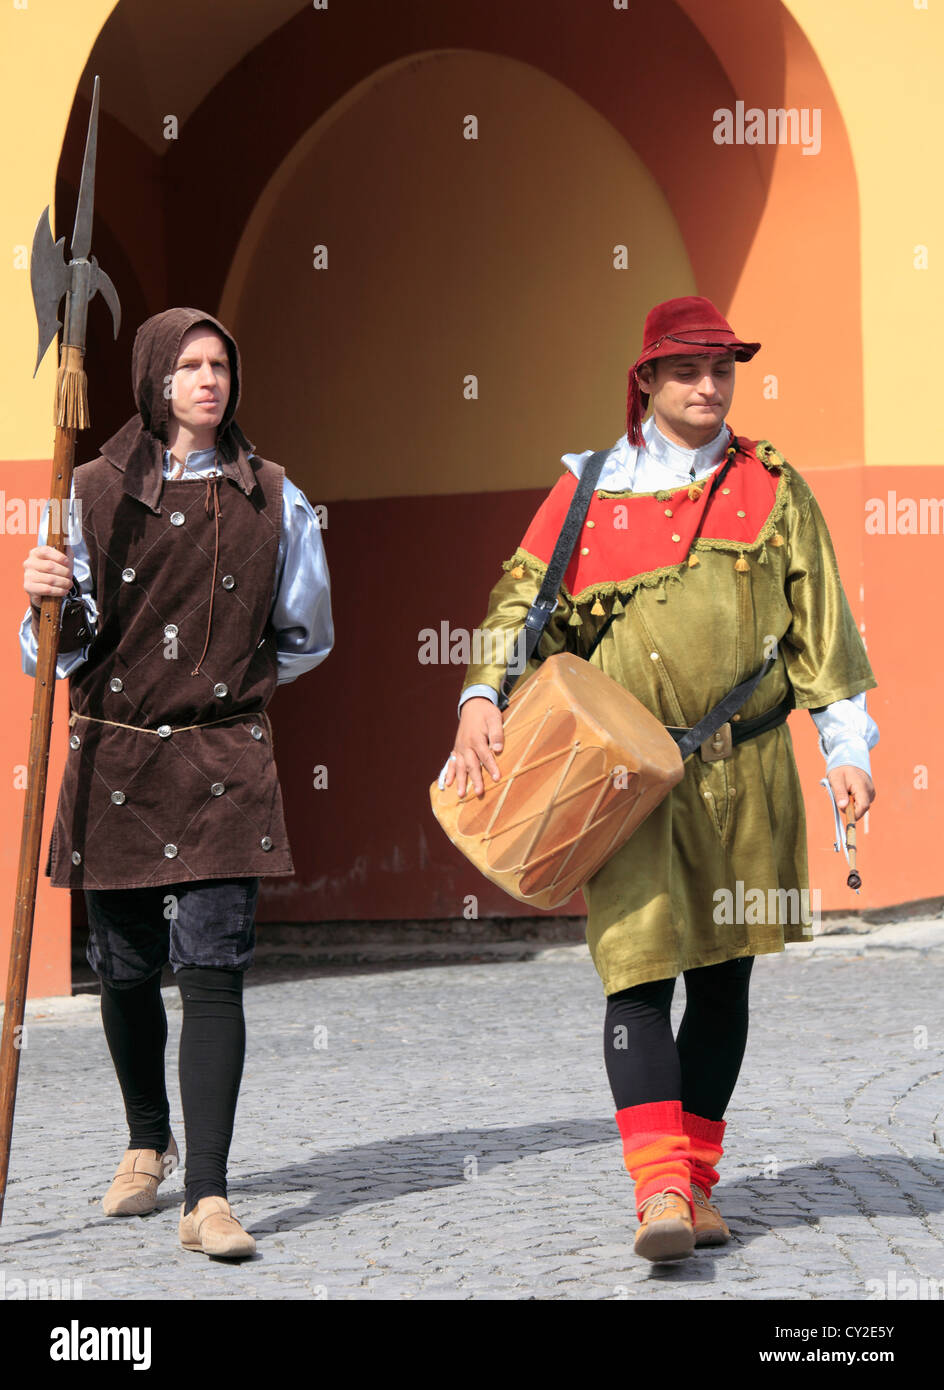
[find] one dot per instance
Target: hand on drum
(479, 737)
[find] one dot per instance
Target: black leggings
(136, 1032)
(700, 1067)
(212, 1049)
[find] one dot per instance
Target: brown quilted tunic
(171, 774)
(140, 806)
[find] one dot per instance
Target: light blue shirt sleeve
(301, 612)
(485, 690)
(82, 587)
(846, 733)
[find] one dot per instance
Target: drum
(584, 763)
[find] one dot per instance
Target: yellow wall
(885, 61)
(43, 50)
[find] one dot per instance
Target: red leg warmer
(704, 1149)
(655, 1149)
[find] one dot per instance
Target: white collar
(659, 464)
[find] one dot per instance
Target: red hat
(691, 322)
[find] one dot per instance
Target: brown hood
(138, 447)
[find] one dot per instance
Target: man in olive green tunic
(696, 589)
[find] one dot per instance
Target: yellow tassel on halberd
(741, 564)
(518, 572)
(72, 410)
(693, 560)
(598, 611)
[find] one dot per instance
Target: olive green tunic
(682, 637)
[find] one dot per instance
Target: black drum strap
(539, 614)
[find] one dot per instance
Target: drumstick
(854, 880)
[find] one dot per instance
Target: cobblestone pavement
(447, 1133)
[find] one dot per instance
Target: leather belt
(721, 743)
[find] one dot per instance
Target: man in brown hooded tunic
(201, 584)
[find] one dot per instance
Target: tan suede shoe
(140, 1173)
(666, 1231)
(710, 1225)
(212, 1228)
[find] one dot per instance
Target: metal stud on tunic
(219, 690)
(170, 851)
(218, 788)
(177, 518)
(164, 731)
(116, 684)
(256, 731)
(74, 741)
(170, 630)
(228, 581)
(118, 798)
(266, 842)
(127, 575)
(76, 857)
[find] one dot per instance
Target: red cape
(628, 534)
